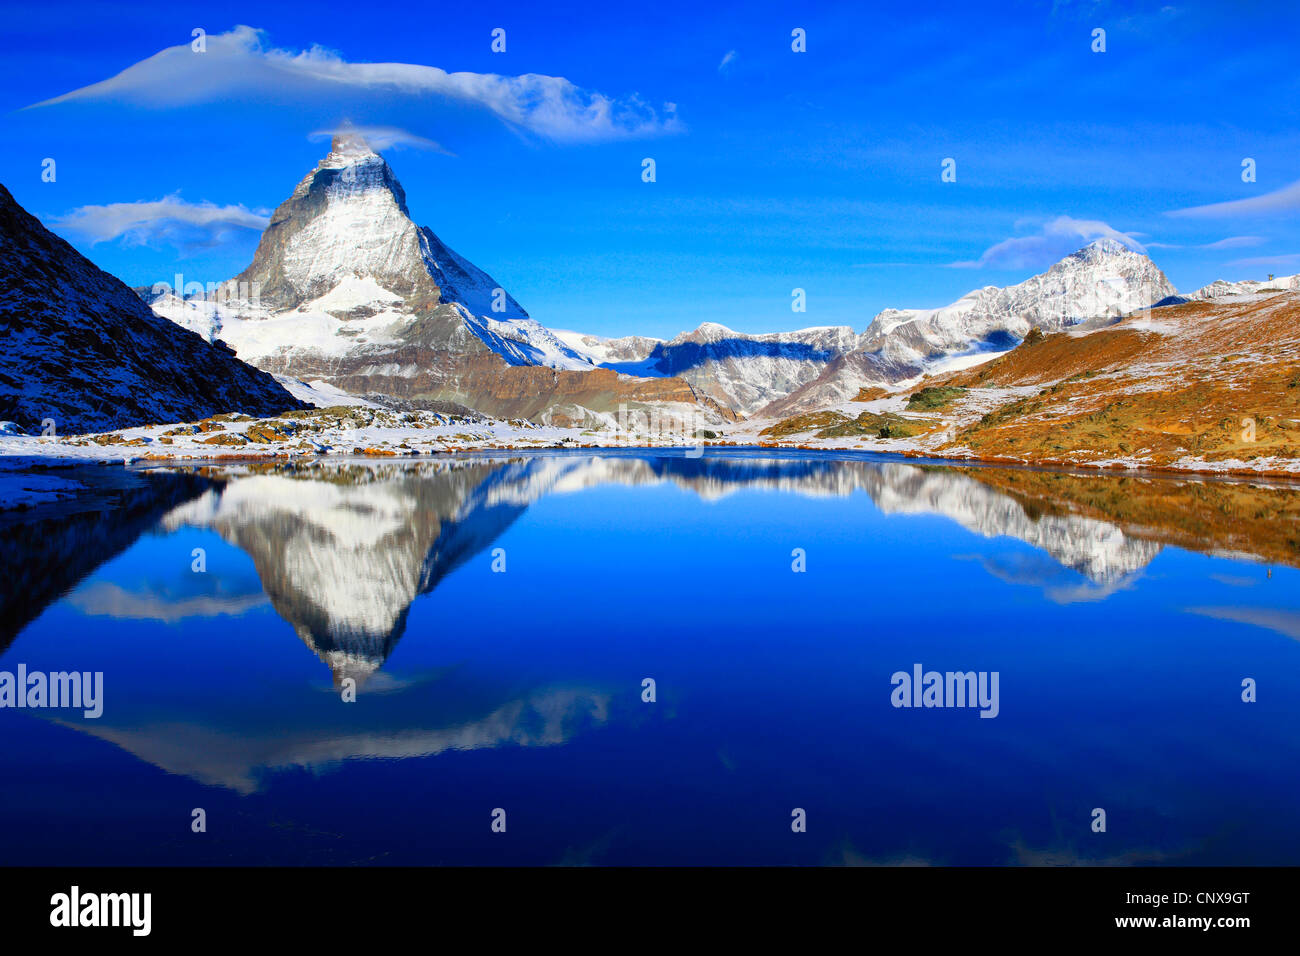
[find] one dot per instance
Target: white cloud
(727, 59)
(1286, 199)
(382, 137)
(171, 220)
(1056, 240)
(1235, 242)
(240, 62)
(1283, 261)
(1231, 242)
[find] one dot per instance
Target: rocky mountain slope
(354, 293)
(1215, 381)
(744, 372)
(82, 351)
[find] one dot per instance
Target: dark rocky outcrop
(80, 349)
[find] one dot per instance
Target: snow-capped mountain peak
(346, 218)
(357, 169)
(343, 269)
(707, 332)
(348, 141)
(1104, 279)
(1100, 248)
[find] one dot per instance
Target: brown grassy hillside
(1211, 381)
(1209, 385)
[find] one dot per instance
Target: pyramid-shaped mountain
(344, 287)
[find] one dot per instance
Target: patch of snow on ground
(959, 363)
(321, 394)
(353, 292)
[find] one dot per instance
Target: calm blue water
(1120, 659)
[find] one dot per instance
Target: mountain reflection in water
(343, 548)
(1121, 611)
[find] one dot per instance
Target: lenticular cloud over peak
(240, 61)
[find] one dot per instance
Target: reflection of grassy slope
(1199, 516)
(1212, 375)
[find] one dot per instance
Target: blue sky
(775, 169)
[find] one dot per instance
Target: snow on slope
(737, 369)
(321, 394)
(349, 282)
(259, 335)
(749, 371)
(774, 372)
(607, 351)
(1102, 279)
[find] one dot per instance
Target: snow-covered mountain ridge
(763, 374)
(1101, 281)
(342, 267)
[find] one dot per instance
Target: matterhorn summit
(345, 287)
(344, 229)
(344, 243)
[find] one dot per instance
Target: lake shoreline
(16, 466)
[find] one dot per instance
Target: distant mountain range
(344, 288)
(355, 294)
(742, 372)
(786, 372)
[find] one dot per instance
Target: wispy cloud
(169, 220)
(1290, 259)
(728, 59)
(1286, 199)
(1235, 242)
(1232, 242)
(240, 61)
(1055, 240)
(383, 137)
